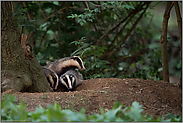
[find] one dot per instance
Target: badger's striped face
(69, 81)
(53, 80)
(80, 62)
(51, 77)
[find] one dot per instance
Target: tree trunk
(18, 72)
(163, 41)
(179, 21)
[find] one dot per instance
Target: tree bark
(18, 72)
(163, 41)
(179, 21)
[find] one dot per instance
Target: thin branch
(12, 7)
(102, 17)
(95, 4)
(44, 21)
(169, 9)
(87, 5)
(22, 29)
(41, 9)
(56, 38)
(123, 27)
(59, 18)
(179, 21)
(155, 4)
(96, 30)
(150, 21)
(99, 5)
(114, 27)
(28, 15)
(111, 29)
(134, 25)
(47, 28)
(43, 37)
(165, 22)
(50, 16)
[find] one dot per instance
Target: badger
(71, 79)
(51, 77)
(64, 64)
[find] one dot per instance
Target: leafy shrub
(53, 113)
(113, 46)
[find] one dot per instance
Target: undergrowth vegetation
(114, 38)
(10, 111)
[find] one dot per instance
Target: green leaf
(74, 117)
(57, 106)
(173, 117)
(111, 115)
(135, 112)
(96, 118)
(128, 7)
(116, 105)
(53, 115)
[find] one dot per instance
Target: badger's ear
(80, 62)
(51, 77)
(64, 64)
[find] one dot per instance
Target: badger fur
(64, 64)
(51, 77)
(71, 79)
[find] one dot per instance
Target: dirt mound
(157, 97)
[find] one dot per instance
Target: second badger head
(69, 82)
(51, 77)
(71, 79)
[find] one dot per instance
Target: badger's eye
(71, 77)
(64, 78)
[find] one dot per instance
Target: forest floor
(156, 97)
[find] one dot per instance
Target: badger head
(67, 63)
(68, 81)
(51, 77)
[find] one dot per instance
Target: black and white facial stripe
(51, 77)
(71, 79)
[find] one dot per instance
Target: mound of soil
(157, 97)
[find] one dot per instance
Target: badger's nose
(70, 88)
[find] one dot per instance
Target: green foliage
(102, 33)
(53, 113)
(11, 112)
(88, 15)
(93, 64)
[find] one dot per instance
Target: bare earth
(157, 97)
